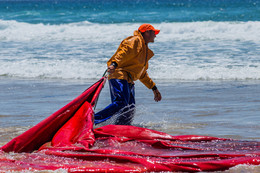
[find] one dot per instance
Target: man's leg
(127, 114)
(120, 95)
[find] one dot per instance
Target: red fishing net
(67, 140)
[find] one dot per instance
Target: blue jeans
(123, 103)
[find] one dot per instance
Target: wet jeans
(123, 103)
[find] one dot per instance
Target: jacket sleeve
(127, 50)
(146, 80)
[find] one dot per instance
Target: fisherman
(128, 64)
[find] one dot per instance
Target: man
(128, 64)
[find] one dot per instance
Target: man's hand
(111, 69)
(157, 95)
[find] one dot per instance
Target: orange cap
(148, 27)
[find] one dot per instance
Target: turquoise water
(121, 11)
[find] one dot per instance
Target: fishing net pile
(67, 140)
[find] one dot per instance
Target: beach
(226, 109)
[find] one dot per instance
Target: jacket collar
(138, 33)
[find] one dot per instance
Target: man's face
(151, 36)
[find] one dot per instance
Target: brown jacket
(132, 58)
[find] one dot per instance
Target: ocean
(206, 63)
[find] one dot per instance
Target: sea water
(206, 63)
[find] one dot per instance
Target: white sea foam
(86, 31)
(184, 72)
(67, 69)
(247, 31)
(77, 69)
(183, 51)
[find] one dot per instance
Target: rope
(104, 75)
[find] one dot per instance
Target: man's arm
(112, 67)
(157, 94)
